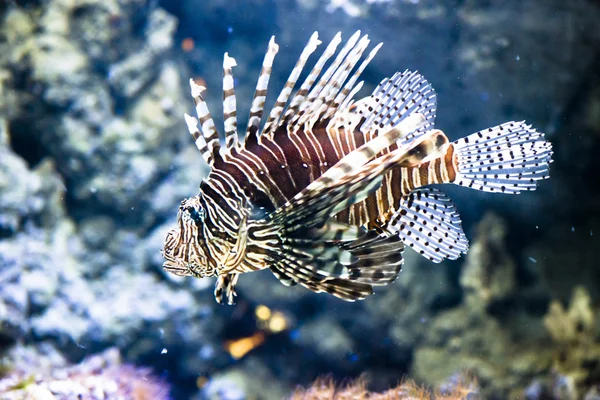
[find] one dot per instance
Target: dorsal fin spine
(208, 128)
(335, 84)
(199, 141)
(310, 103)
(283, 97)
(258, 102)
(298, 99)
(229, 104)
(348, 87)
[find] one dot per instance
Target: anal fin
(428, 222)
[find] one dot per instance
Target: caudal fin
(507, 158)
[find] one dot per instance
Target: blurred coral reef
(95, 158)
(31, 375)
(576, 336)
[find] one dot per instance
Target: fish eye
(197, 215)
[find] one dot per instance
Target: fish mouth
(174, 263)
(184, 258)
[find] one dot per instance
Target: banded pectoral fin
(343, 260)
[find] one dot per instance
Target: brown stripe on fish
(450, 165)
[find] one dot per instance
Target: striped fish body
(330, 190)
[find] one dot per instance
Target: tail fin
(507, 158)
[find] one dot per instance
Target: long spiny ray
(333, 86)
(289, 85)
(336, 74)
(229, 104)
(348, 100)
(298, 99)
(192, 124)
(207, 125)
(350, 85)
(307, 104)
(260, 95)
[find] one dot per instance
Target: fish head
(185, 249)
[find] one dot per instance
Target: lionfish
(329, 191)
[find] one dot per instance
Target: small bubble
(164, 351)
(229, 29)
(206, 352)
(572, 229)
(533, 260)
(518, 58)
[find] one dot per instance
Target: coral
(576, 344)
(464, 386)
(102, 376)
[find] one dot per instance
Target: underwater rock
(327, 338)
(504, 366)
(114, 143)
(34, 239)
(505, 354)
(250, 380)
(131, 75)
